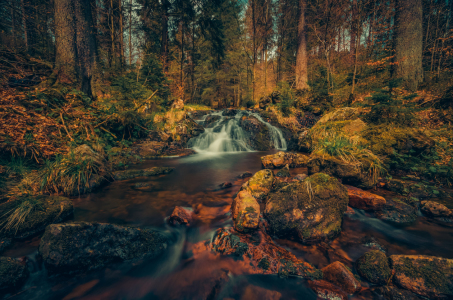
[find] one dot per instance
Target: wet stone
(326, 290)
(394, 293)
(374, 267)
(246, 174)
(397, 211)
(181, 216)
(361, 199)
(226, 185)
(13, 274)
(340, 275)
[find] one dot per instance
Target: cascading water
(226, 135)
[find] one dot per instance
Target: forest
(226, 149)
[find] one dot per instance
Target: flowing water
(189, 271)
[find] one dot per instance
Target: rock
(308, 211)
(436, 210)
(246, 174)
(84, 246)
(128, 174)
(300, 177)
(428, 276)
(397, 211)
(226, 185)
(341, 114)
(374, 267)
(260, 184)
(408, 188)
(245, 211)
(338, 274)
(259, 137)
(181, 216)
(229, 112)
(178, 104)
(42, 212)
(361, 199)
(348, 173)
(371, 242)
(5, 243)
(280, 159)
(261, 255)
(326, 290)
(13, 274)
(253, 292)
(211, 120)
(283, 172)
(198, 114)
(394, 293)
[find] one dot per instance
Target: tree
(302, 59)
(409, 42)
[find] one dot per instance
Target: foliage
(287, 98)
(14, 218)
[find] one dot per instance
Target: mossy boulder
(73, 247)
(394, 293)
(374, 267)
(414, 189)
(260, 184)
(245, 211)
(259, 137)
(129, 174)
(13, 274)
(281, 159)
(39, 211)
(283, 172)
(309, 210)
(428, 276)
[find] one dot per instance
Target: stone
(300, 177)
(229, 112)
(280, 159)
(428, 276)
(5, 243)
(361, 199)
(398, 212)
(44, 211)
(338, 274)
(260, 184)
(326, 290)
(245, 211)
(253, 292)
(258, 135)
(308, 211)
(129, 174)
(246, 174)
(284, 172)
(82, 246)
(13, 274)
(226, 185)
(178, 104)
(181, 216)
(436, 210)
(374, 267)
(211, 120)
(393, 293)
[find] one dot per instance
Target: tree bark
(409, 42)
(354, 30)
(24, 24)
(130, 32)
(164, 43)
(301, 56)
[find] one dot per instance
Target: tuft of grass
(14, 218)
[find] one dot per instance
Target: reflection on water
(185, 271)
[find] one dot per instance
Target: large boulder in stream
(429, 276)
(13, 274)
(309, 211)
(211, 120)
(245, 211)
(281, 159)
(342, 276)
(258, 133)
(374, 267)
(83, 246)
(436, 210)
(398, 211)
(260, 184)
(361, 199)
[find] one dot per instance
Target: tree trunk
(121, 32)
(409, 42)
(24, 24)
(112, 31)
(130, 32)
(301, 58)
(354, 30)
(164, 44)
(65, 39)
(254, 49)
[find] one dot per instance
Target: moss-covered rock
(428, 276)
(283, 172)
(260, 184)
(38, 212)
(327, 290)
(280, 159)
(340, 275)
(436, 210)
(259, 137)
(397, 211)
(394, 293)
(83, 246)
(245, 211)
(309, 210)
(415, 189)
(129, 174)
(374, 267)
(13, 274)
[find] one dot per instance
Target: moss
(264, 263)
(249, 209)
(12, 274)
(374, 267)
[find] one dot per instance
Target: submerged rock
(280, 159)
(326, 290)
(300, 177)
(226, 185)
(260, 184)
(83, 246)
(38, 212)
(397, 211)
(246, 174)
(245, 211)
(428, 276)
(361, 199)
(394, 293)
(13, 274)
(128, 174)
(308, 211)
(340, 275)
(436, 210)
(374, 267)
(283, 172)
(181, 216)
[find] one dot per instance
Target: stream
(185, 271)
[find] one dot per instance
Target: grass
(17, 216)
(196, 107)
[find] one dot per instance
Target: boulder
(308, 211)
(429, 276)
(326, 290)
(13, 274)
(260, 184)
(211, 120)
(129, 174)
(361, 199)
(436, 210)
(226, 185)
(38, 212)
(5, 243)
(246, 174)
(280, 159)
(340, 275)
(84, 246)
(261, 255)
(393, 293)
(178, 104)
(284, 172)
(397, 211)
(181, 216)
(245, 211)
(198, 114)
(258, 134)
(252, 292)
(229, 112)
(374, 267)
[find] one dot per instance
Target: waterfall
(226, 135)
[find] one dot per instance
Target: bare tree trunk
(301, 56)
(353, 28)
(13, 24)
(254, 49)
(130, 32)
(112, 31)
(24, 24)
(409, 42)
(164, 43)
(121, 32)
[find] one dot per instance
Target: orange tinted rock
(436, 210)
(245, 211)
(181, 215)
(338, 274)
(361, 199)
(253, 292)
(260, 184)
(428, 276)
(281, 159)
(326, 290)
